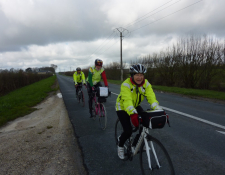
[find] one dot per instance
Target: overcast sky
(72, 33)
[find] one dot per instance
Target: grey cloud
(82, 23)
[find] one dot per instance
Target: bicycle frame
(144, 136)
(97, 105)
(79, 88)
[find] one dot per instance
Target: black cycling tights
(126, 123)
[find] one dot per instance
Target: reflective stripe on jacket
(78, 78)
(94, 76)
(129, 99)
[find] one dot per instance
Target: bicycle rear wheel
(127, 144)
(82, 99)
(102, 116)
(166, 165)
(118, 130)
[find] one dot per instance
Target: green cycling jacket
(78, 78)
(129, 99)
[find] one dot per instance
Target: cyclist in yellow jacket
(78, 78)
(95, 74)
(133, 91)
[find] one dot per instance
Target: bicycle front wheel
(83, 100)
(93, 110)
(78, 98)
(102, 116)
(165, 165)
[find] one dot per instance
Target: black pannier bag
(101, 99)
(154, 119)
(102, 92)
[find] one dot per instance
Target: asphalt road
(195, 147)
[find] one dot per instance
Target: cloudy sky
(72, 33)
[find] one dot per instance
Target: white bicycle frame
(144, 133)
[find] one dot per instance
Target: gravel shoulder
(42, 142)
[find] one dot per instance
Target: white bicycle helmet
(137, 68)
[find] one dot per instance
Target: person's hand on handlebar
(134, 119)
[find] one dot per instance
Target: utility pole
(121, 30)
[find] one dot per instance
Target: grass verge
(184, 91)
(21, 101)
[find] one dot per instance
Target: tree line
(13, 79)
(193, 62)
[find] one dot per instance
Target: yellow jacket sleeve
(150, 95)
(75, 78)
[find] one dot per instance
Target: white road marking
(192, 117)
(114, 93)
(196, 118)
(222, 132)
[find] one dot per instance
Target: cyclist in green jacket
(78, 78)
(133, 91)
(94, 77)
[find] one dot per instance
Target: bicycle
(154, 158)
(98, 109)
(80, 95)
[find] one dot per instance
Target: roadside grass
(184, 91)
(21, 101)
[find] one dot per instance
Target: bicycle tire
(102, 117)
(83, 99)
(127, 144)
(93, 110)
(162, 155)
(77, 97)
(118, 130)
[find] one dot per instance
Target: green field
(184, 91)
(20, 102)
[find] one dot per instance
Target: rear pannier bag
(101, 99)
(102, 92)
(154, 119)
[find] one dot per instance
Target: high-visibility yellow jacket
(94, 76)
(79, 78)
(129, 99)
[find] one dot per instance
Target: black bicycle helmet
(78, 68)
(98, 62)
(137, 68)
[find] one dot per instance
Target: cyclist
(133, 91)
(78, 78)
(95, 74)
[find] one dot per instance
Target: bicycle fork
(146, 139)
